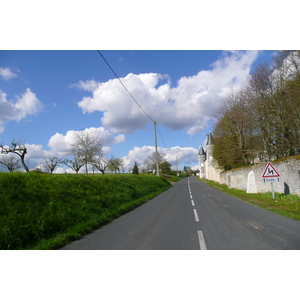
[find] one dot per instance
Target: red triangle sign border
(276, 174)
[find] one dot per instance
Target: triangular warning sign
(270, 171)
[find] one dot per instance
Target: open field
(43, 211)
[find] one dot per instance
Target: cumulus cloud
(121, 113)
(184, 155)
(36, 154)
(89, 85)
(61, 144)
(7, 74)
(25, 104)
(187, 106)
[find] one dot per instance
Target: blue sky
(47, 96)
(53, 110)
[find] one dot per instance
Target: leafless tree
(86, 147)
(75, 163)
(263, 117)
(275, 104)
(150, 162)
(100, 163)
(115, 164)
(10, 162)
(17, 148)
(51, 163)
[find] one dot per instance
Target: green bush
(36, 208)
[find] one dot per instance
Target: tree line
(261, 120)
(86, 150)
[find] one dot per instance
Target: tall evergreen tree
(135, 169)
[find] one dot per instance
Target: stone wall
(289, 170)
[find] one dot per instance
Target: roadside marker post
(271, 175)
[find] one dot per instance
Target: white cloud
(61, 144)
(138, 154)
(121, 113)
(7, 74)
(185, 155)
(89, 85)
(26, 104)
(189, 105)
(60, 170)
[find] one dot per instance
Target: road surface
(194, 216)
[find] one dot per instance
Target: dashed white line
(201, 241)
(196, 215)
(200, 233)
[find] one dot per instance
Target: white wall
(289, 170)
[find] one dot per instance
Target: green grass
(43, 211)
(286, 205)
(172, 177)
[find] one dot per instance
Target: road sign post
(271, 175)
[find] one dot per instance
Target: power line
(155, 124)
(161, 137)
(125, 87)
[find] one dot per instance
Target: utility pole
(177, 165)
(155, 138)
(157, 162)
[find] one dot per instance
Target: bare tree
(150, 162)
(10, 162)
(51, 163)
(115, 164)
(86, 147)
(17, 148)
(100, 163)
(262, 119)
(235, 128)
(275, 104)
(75, 164)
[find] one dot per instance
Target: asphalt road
(193, 216)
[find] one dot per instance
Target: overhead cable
(125, 87)
(161, 137)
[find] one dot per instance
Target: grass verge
(286, 205)
(43, 211)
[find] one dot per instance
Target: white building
(207, 166)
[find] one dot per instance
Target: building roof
(209, 139)
(202, 151)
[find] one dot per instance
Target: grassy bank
(286, 205)
(42, 211)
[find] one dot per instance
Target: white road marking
(200, 233)
(189, 185)
(196, 215)
(201, 241)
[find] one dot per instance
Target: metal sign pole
(272, 187)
